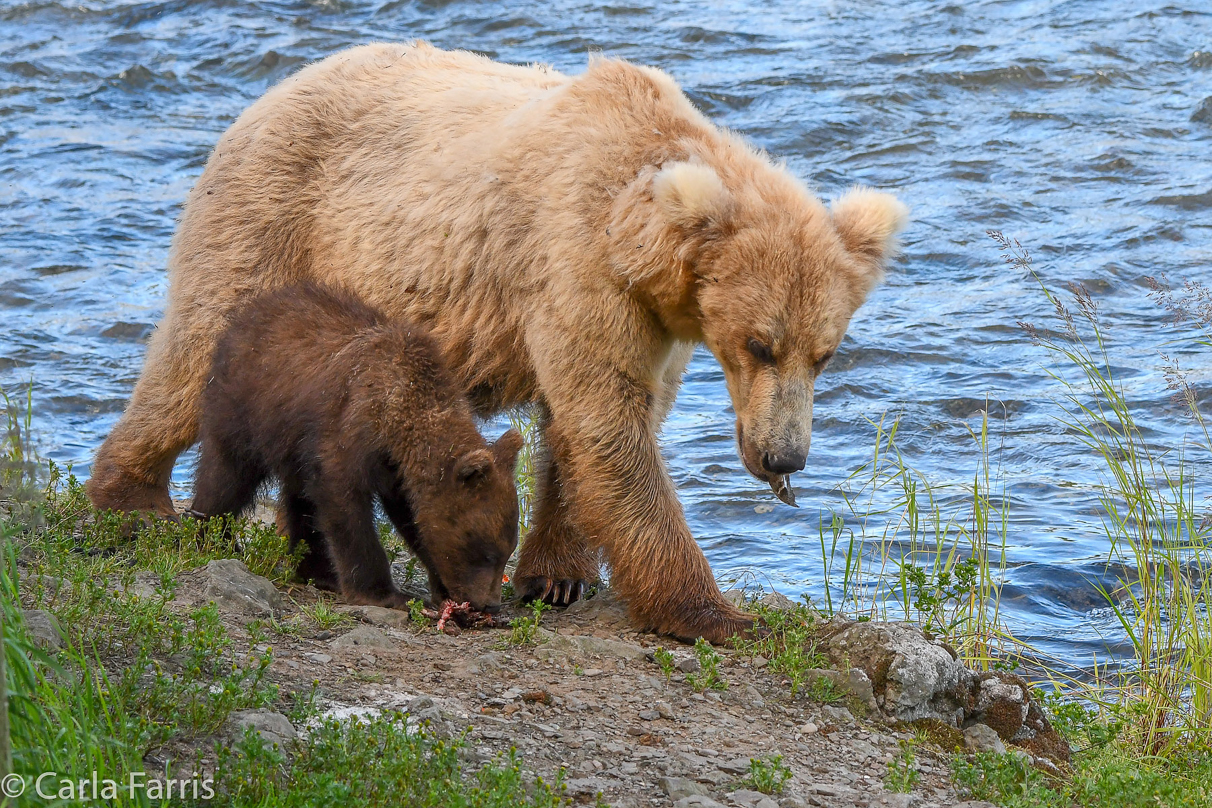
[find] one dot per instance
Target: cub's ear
(506, 449)
(473, 466)
(868, 222)
(691, 194)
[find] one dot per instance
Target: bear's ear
(506, 449)
(691, 194)
(473, 466)
(868, 222)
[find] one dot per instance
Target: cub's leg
(347, 520)
(556, 562)
(225, 483)
(297, 519)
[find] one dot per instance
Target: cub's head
(467, 524)
(776, 277)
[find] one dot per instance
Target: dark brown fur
(343, 405)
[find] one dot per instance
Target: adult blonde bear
(568, 240)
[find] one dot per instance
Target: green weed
(902, 773)
(525, 630)
(789, 643)
(768, 775)
(664, 659)
(708, 676)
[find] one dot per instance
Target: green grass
(664, 660)
(137, 675)
(525, 630)
(789, 643)
(373, 762)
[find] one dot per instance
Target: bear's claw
(562, 592)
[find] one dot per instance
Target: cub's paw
(552, 591)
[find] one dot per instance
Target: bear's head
(467, 522)
(773, 277)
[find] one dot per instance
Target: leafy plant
(664, 659)
(902, 773)
(768, 775)
(708, 676)
(525, 630)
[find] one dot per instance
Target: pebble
(649, 715)
(678, 787)
(689, 665)
(319, 659)
(982, 738)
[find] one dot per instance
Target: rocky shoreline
(587, 694)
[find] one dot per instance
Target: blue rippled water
(1084, 129)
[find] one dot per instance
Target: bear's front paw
(554, 592)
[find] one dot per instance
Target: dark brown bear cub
(344, 406)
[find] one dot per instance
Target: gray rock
(792, 802)
(679, 787)
(586, 646)
(778, 602)
(379, 616)
(853, 683)
(364, 637)
(484, 663)
(319, 659)
(688, 665)
(649, 715)
(891, 800)
(44, 629)
(274, 728)
(912, 675)
(231, 586)
(751, 799)
(665, 710)
(837, 715)
(735, 596)
(735, 766)
(697, 801)
(981, 738)
(974, 804)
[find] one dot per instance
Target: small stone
(364, 637)
(319, 659)
(582, 645)
(679, 787)
(649, 715)
(837, 715)
(981, 738)
(778, 602)
(665, 710)
(891, 800)
(44, 629)
(751, 799)
(273, 727)
(760, 662)
(810, 728)
(697, 801)
(592, 672)
(688, 665)
(734, 766)
(230, 585)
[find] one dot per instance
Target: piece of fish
(781, 486)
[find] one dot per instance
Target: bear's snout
(784, 461)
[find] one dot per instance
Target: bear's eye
(824, 360)
(761, 351)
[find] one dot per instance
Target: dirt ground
(589, 698)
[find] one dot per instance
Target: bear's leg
(225, 483)
(556, 562)
(621, 497)
(347, 520)
(297, 519)
(133, 465)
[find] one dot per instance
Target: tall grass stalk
(905, 549)
(1157, 540)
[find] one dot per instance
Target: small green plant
(768, 775)
(577, 670)
(902, 773)
(325, 616)
(788, 643)
(525, 630)
(416, 614)
(825, 690)
(664, 659)
(708, 676)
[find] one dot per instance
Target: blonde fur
(564, 240)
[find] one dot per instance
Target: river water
(1082, 128)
